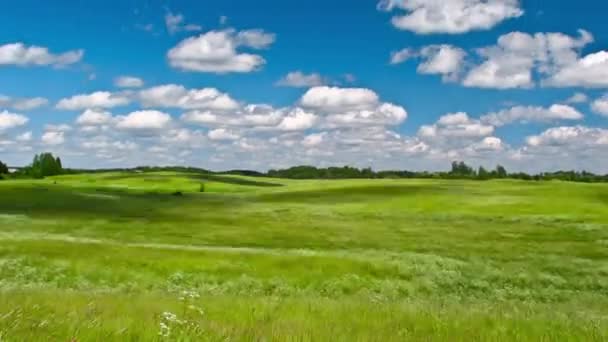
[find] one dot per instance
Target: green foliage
(3, 168)
(202, 188)
(483, 174)
(44, 165)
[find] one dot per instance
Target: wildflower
(165, 331)
(169, 316)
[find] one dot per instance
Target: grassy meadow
(124, 257)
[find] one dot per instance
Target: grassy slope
(101, 257)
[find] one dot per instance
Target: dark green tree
(44, 165)
(501, 172)
(3, 168)
(483, 174)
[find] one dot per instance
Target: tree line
(459, 170)
(45, 164)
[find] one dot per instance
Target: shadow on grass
(350, 194)
(59, 201)
(234, 180)
(201, 177)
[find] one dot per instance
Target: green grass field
(120, 257)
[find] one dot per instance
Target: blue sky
(406, 84)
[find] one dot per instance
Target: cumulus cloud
(313, 139)
(523, 114)
(53, 138)
(385, 114)
(177, 96)
(441, 59)
(298, 79)
(600, 106)
(577, 98)
(253, 116)
(10, 120)
(24, 137)
(590, 71)
(332, 99)
(297, 120)
(576, 137)
(23, 104)
(144, 121)
(453, 17)
(99, 99)
(344, 107)
(488, 144)
(455, 125)
(445, 60)
(128, 82)
(94, 117)
(222, 134)
(511, 63)
(217, 51)
(398, 57)
(20, 54)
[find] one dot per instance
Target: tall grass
(117, 257)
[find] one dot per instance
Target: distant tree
(501, 172)
(461, 169)
(45, 165)
(3, 168)
(483, 174)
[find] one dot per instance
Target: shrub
(202, 188)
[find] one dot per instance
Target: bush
(202, 188)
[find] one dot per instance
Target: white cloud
(315, 139)
(128, 82)
(297, 120)
(99, 99)
(10, 120)
(600, 106)
(298, 79)
(444, 60)
(332, 99)
(216, 51)
(577, 98)
(177, 96)
(53, 138)
(512, 62)
(455, 125)
(590, 71)
(398, 57)
(489, 144)
(222, 134)
(21, 55)
(382, 115)
(94, 117)
(256, 115)
(453, 16)
(576, 137)
(346, 107)
(144, 121)
(58, 127)
(24, 137)
(175, 23)
(523, 114)
(256, 39)
(23, 104)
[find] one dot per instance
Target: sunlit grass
(102, 256)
